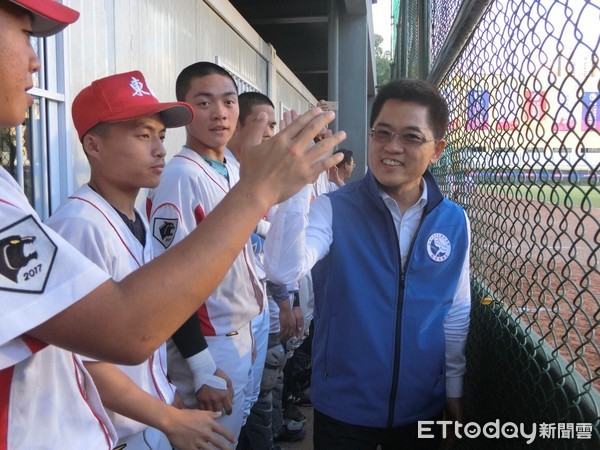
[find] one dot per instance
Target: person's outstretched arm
(185, 428)
(125, 322)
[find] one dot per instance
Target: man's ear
(439, 149)
(91, 145)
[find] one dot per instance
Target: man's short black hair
(416, 91)
(347, 156)
(198, 70)
(248, 100)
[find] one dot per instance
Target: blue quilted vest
(378, 349)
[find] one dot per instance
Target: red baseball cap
(48, 16)
(120, 97)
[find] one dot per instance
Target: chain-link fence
(522, 80)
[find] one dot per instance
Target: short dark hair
(101, 129)
(347, 156)
(248, 100)
(417, 91)
(198, 70)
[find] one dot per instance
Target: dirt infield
(541, 260)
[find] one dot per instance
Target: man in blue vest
(390, 265)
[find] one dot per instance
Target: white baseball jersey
(47, 399)
(189, 190)
(96, 229)
(322, 186)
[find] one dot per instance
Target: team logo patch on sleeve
(164, 230)
(26, 256)
(438, 247)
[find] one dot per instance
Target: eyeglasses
(351, 164)
(407, 140)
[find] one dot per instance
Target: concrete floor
(306, 443)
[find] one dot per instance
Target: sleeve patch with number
(26, 256)
(164, 230)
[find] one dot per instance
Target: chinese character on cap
(120, 97)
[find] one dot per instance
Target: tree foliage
(383, 61)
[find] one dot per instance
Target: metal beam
(468, 16)
(312, 72)
(355, 7)
(290, 20)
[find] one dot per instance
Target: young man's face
(269, 130)
(214, 100)
(397, 167)
(18, 62)
(131, 155)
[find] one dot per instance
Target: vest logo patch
(164, 230)
(438, 247)
(26, 256)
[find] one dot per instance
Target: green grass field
(559, 194)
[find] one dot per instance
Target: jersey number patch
(26, 256)
(164, 230)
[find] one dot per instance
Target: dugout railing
(522, 81)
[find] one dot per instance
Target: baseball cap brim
(48, 17)
(173, 114)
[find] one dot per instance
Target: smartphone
(328, 106)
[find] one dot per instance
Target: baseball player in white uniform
(262, 417)
(194, 182)
(124, 156)
(250, 105)
(189, 190)
(51, 294)
(36, 260)
(40, 276)
(88, 222)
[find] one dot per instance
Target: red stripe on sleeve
(199, 214)
(5, 383)
(35, 345)
(148, 207)
(205, 323)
